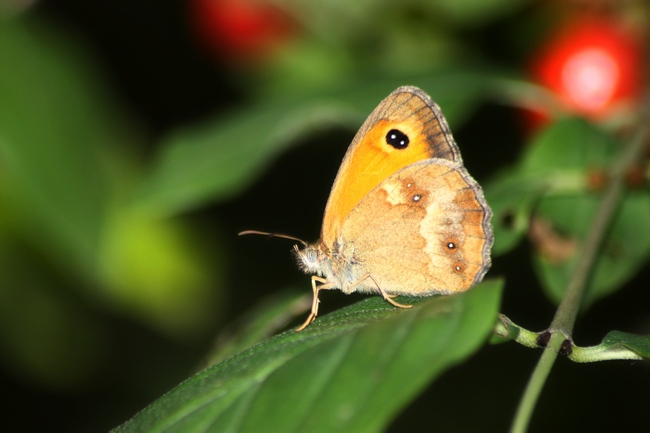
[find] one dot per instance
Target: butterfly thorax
(337, 264)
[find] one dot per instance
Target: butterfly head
(310, 258)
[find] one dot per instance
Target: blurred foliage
(112, 223)
(551, 199)
(68, 165)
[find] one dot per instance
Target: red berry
(242, 29)
(592, 64)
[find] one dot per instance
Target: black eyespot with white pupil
(451, 245)
(397, 139)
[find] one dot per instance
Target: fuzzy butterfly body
(404, 216)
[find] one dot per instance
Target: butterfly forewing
(405, 128)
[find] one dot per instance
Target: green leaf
(220, 158)
(359, 17)
(475, 12)
(624, 251)
(512, 198)
(266, 318)
(550, 189)
(48, 337)
(560, 160)
(615, 345)
(568, 145)
(351, 371)
(54, 128)
(639, 344)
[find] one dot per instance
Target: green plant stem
(561, 327)
(534, 388)
(615, 346)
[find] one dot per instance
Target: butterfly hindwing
(423, 230)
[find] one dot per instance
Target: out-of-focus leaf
(49, 339)
(162, 272)
(363, 17)
(512, 198)
(350, 371)
(564, 155)
(64, 161)
(54, 128)
(550, 188)
(475, 12)
(217, 159)
(624, 251)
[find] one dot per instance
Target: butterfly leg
(314, 305)
(389, 298)
(386, 296)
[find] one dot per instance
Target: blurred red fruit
(592, 64)
(240, 29)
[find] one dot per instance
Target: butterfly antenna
(273, 235)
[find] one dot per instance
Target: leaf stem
(615, 346)
(561, 327)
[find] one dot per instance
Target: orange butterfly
(404, 217)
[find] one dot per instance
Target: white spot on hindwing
(395, 193)
(401, 191)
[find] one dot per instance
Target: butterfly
(404, 217)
